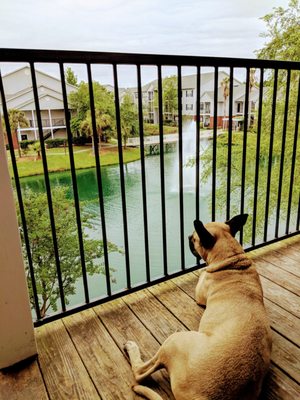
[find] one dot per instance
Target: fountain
(188, 154)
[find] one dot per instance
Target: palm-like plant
(225, 87)
(17, 119)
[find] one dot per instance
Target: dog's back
(240, 338)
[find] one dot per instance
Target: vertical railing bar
(197, 183)
(181, 205)
(293, 160)
(286, 110)
(257, 157)
(74, 184)
(214, 155)
(162, 169)
(20, 200)
(47, 185)
(298, 216)
(244, 155)
(99, 180)
(270, 155)
(143, 174)
(122, 179)
(229, 144)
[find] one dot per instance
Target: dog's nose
(190, 237)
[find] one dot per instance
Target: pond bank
(60, 161)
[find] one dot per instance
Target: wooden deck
(81, 357)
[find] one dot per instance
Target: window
(189, 93)
(23, 137)
(189, 107)
(150, 95)
(205, 108)
(239, 107)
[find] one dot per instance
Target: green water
(88, 193)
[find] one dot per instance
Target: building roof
(19, 94)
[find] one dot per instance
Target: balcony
(80, 342)
(82, 356)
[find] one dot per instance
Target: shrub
(25, 143)
(81, 140)
(51, 143)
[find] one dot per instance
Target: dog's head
(209, 240)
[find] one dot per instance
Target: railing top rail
(74, 57)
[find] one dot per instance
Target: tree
(283, 34)
(104, 111)
(70, 77)
(17, 119)
(43, 258)
(36, 147)
(169, 97)
(225, 87)
(283, 43)
(129, 118)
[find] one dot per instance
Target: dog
(228, 357)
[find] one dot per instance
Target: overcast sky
(228, 28)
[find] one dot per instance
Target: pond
(88, 193)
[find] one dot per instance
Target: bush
(81, 140)
(51, 143)
(25, 143)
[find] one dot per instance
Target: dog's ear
(236, 223)
(207, 240)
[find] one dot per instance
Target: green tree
(70, 77)
(283, 34)
(36, 148)
(43, 258)
(169, 97)
(17, 119)
(129, 118)
(104, 111)
(283, 43)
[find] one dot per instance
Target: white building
(19, 95)
(189, 98)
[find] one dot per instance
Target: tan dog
(230, 354)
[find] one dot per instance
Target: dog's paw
(130, 346)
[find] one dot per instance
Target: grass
(57, 160)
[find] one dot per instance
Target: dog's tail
(146, 392)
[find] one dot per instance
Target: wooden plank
(279, 260)
(23, 382)
(123, 325)
(286, 356)
(63, 371)
(283, 322)
(278, 276)
(277, 294)
(107, 366)
(179, 303)
(278, 386)
(154, 315)
(187, 283)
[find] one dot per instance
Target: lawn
(58, 159)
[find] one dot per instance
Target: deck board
(82, 356)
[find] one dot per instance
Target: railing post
(17, 341)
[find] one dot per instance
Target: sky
(223, 28)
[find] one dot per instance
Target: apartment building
(189, 98)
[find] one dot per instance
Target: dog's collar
(238, 261)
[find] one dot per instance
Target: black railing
(225, 163)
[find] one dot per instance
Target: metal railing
(269, 71)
